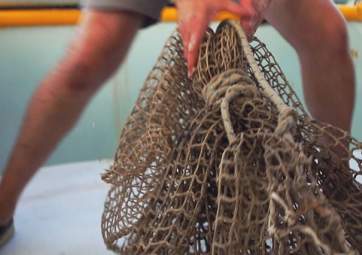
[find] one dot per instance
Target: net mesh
(229, 162)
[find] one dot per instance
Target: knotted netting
(229, 162)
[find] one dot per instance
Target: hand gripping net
(229, 162)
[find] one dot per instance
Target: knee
(78, 72)
(335, 37)
(85, 69)
(97, 51)
(330, 38)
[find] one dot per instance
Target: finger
(234, 8)
(185, 36)
(196, 37)
(249, 28)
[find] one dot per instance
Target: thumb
(245, 9)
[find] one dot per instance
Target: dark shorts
(149, 8)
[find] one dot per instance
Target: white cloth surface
(60, 212)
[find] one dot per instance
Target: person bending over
(315, 29)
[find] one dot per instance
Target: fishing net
(229, 162)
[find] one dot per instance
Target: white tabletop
(60, 212)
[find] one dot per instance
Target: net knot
(287, 123)
(215, 90)
(222, 89)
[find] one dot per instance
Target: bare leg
(318, 33)
(56, 105)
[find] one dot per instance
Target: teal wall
(26, 54)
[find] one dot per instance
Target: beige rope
(229, 162)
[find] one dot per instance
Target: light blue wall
(26, 54)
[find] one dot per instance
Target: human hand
(258, 9)
(195, 16)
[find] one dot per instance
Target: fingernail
(192, 43)
(190, 73)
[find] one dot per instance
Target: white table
(60, 212)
